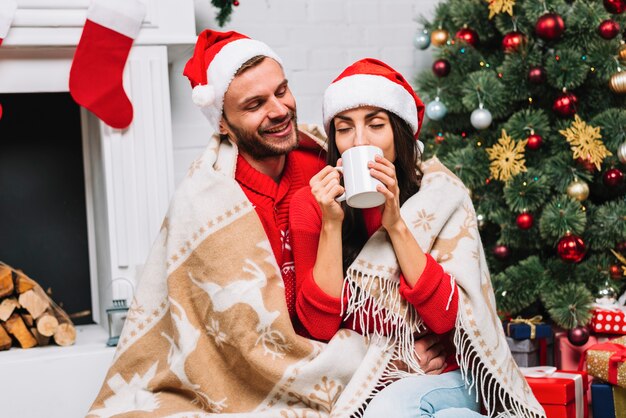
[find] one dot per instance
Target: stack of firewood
(29, 315)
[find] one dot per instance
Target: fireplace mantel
(128, 173)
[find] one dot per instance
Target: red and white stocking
(7, 12)
(96, 74)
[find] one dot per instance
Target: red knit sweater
(434, 297)
(271, 201)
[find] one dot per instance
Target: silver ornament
(481, 118)
(607, 295)
(422, 39)
(436, 110)
(621, 153)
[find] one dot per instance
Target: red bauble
(549, 26)
(578, 336)
(621, 247)
(467, 35)
(513, 41)
(0, 111)
(501, 252)
(615, 6)
(534, 142)
(439, 139)
(525, 220)
(235, 2)
(571, 248)
(615, 272)
(586, 164)
(565, 105)
(608, 29)
(613, 177)
(537, 75)
(441, 67)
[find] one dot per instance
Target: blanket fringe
(476, 374)
(399, 322)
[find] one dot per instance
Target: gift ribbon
(531, 322)
(549, 371)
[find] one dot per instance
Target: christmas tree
(526, 101)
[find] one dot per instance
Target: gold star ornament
(500, 6)
(507, 158)
(586, 141)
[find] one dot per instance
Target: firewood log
(7, 307)
(22, 282)
(41, 339)
(5, 339)
(35, 301)
(47, 324)
(65, 334)
(28, 319)
(6, 281)
(16, 327)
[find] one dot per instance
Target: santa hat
(370, 82)
(216, 59)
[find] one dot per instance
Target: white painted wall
(316, 40)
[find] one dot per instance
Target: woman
(372, 104)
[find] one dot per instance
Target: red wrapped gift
(609, 320)
(562, 394)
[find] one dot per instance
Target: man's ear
(223, 127)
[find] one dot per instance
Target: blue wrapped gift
(522, 329)
(608, 401)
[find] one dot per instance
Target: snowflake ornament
(507, 158)
(586, 142)
(500, 6)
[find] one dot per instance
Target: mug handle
(342, 197)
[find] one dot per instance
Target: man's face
(260, 112)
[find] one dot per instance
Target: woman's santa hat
(370, 82)
(215, 61)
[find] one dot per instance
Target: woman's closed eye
(377, 125)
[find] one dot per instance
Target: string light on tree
(585, 142)
(571, 248)
(550, 26)
(608, 29)
(422, 39)
(578, 189)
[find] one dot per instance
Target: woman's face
(366, 125)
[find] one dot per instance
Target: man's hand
(430, 353)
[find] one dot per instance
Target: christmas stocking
(96, 74)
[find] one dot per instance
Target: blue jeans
(440, 396)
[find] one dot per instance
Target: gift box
(561, 394)
(521, 329)
(608, 401)
(530, 353)
(566, 355)
(607, 361)
(609, 320)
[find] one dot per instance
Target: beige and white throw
(209, 331)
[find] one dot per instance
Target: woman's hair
(354, 233)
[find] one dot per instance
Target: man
(211, 327)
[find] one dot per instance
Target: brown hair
(353, 231)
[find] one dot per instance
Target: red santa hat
(370, 82)
(216, 59)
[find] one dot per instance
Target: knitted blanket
(209, 332)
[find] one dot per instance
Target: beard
(258, 146)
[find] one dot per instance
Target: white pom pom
(203, 95)
(420, 146)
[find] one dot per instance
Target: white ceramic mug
(359, 184)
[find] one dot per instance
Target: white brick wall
(316, 40)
